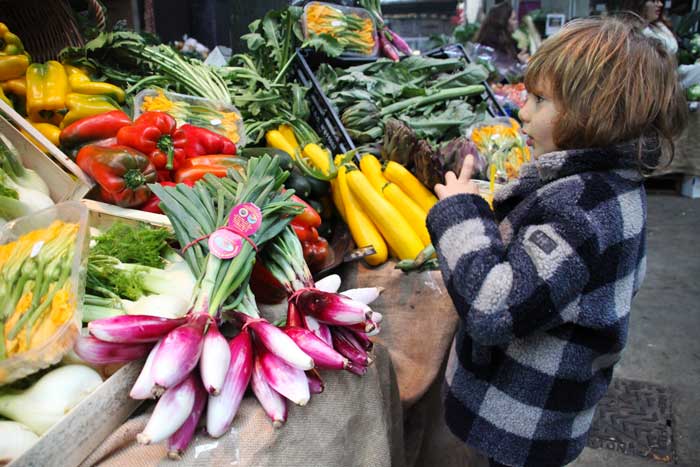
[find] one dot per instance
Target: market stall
(236, 250)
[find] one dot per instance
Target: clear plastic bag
(359, 13)
(224, 119)
(502, 144)
(51, 349)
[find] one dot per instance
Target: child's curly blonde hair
(610, 83)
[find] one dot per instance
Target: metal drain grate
(634, 418)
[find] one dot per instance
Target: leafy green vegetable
(427, 93)
(139, 243)
(106, 279)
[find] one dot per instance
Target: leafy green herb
(138, 243)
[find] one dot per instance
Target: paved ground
(664, 342)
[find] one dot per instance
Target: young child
(543, 284)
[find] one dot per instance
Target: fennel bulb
(50, 398)
(15, 438)
(11, 163)
(165, 306)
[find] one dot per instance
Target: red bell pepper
(201, 141)
(153, 203)
(90, 129)
(266, 288)
(315, 253)
(308, 217)
(122, 173)
(156, 135)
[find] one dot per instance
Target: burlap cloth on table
(355, 421)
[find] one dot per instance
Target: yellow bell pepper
(13, 60)
(51, 132)
(80, 82)
(84, 105)
(47, 86)
(11, 44)
(4, 98)
(17, 86)
(13, 66)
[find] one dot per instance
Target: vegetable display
(323, 330)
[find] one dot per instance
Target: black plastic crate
(323, 119)
(494, 108)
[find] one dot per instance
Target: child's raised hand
(458, 185)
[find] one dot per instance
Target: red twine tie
(226, 227)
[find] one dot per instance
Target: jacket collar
(623, 158)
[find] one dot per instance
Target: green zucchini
(299, 184)
(318, 187)
(284, 158)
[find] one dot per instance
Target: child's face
(538, 116)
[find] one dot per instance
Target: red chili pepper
(196, 172)
(266, 288)
(223, 160)
(122, 173)
(201, 141)
(90, 129)
(153, 203)
(308, 217)
(156, 135)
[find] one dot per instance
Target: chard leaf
(253, 41)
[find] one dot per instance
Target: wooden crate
(82, 430)
(65, 179)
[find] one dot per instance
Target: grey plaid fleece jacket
(543, 287)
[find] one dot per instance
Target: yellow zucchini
(363, 231)
(288, 134)
(372, 169)
(338, 199)
(319, 158)
(276, 140)
(394, 228)
(409, 209)
(398, 174)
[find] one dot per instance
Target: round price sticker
(225, 244)
(245, 218)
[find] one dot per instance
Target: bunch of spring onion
(190, 363)
(342, 321)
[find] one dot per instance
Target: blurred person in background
(654, 24)
(496, 33)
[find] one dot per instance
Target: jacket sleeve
(500, 292)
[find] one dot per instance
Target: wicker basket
(46, 26)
